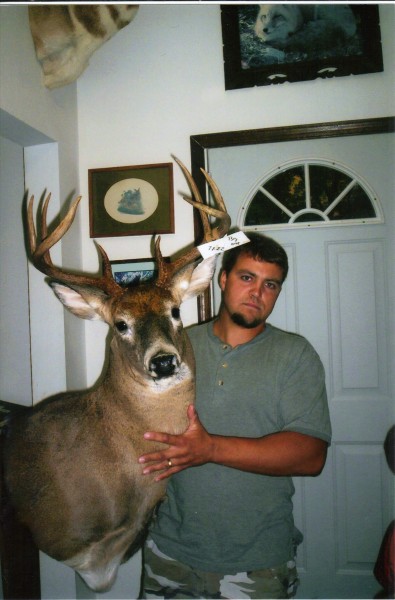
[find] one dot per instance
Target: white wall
(32, 116)
(160, 80)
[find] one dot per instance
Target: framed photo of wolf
(265, 44)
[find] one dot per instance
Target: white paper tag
(226, 243)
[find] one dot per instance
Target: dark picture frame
(131, 200)
(135, 270)
(249, 61)
(201, 145)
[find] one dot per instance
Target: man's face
(250, 291)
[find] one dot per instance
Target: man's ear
(222, 279)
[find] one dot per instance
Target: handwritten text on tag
(226, 243)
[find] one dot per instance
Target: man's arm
(285, 453)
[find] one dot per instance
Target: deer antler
(40, 253)
(167, 270)
(41, 258)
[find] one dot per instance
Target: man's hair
(260, 247)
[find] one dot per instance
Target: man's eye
(273, 286)
(246, 277)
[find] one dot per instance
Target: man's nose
(255, 290)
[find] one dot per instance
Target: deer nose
(163, 365)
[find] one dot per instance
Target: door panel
(357, 283)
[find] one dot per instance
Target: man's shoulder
(199, 328)
(288, 341)
(198, 331)
(287, 337)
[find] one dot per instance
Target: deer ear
(86, 303)
(191, 282)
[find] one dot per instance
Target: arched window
(309, 193)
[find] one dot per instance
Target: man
(226, 528)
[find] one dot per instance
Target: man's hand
(189, 449)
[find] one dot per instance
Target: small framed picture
(130, 272)
(264, 44)
(133, 200)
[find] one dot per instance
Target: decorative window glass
(309, 193)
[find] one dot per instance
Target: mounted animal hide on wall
(65, 36)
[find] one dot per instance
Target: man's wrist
(215, 449)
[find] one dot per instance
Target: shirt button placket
(224, 365)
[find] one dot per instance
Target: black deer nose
(163, 365)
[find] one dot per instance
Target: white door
(338, 295)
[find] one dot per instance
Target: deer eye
(175, 312)
(121, 326)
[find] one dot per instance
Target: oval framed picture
(131, 200)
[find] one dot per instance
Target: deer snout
(163, 365)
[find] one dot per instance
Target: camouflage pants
(164, 577)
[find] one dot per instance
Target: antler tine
(31, 230)
(44, 228)
(41, 251)
(225, 220)
(205, 210)
(107, 281)
(196, 194)
(166, 270)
